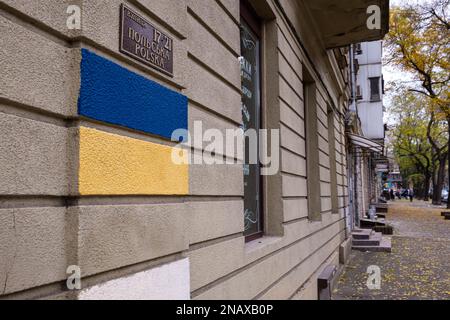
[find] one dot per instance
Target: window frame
(314, 194)
(250, 17)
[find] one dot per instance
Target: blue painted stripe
(113, 94)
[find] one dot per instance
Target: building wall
(84, 182)
(370, 112)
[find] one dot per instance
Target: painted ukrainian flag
(111, 164)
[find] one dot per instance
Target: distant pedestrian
(392, 194)
(405, 194)
(411, 195)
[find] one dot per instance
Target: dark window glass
(312, 146)
(375, 89)
(251, 119)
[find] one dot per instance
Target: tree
(414, 129)
(419, 44)
(410, 143)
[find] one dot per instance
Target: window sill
(261, 247)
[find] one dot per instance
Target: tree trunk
(439, 181)
(448, 158)
(426, 187)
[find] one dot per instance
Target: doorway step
(365, 223)
(377, 225)
(369, 240)
(381, 208)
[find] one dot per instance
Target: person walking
(392, 194)
(411, 195)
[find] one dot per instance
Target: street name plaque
(144, 42)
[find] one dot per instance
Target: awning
(365, 143)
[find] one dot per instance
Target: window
(312, 147)
(333, 164)
(375, 89)
(251, 116)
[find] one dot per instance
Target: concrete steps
(369, 224)
(368, 240)
(384, 246)
(378, 225)
(381, 208)
(361, 234)
(374, 240)
(385, 230)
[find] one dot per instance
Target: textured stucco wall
(116, 165)
(168, 282)
(111, 93)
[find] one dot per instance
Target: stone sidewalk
(417, 268)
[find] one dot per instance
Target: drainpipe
(356, 187)
(354, 105)
(364, 187)
(354, 154)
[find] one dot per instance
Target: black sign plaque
(144, 42)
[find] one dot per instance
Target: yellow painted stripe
(116, 165)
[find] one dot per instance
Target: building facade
(92, 117)
(370, 89)
(366, 129)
